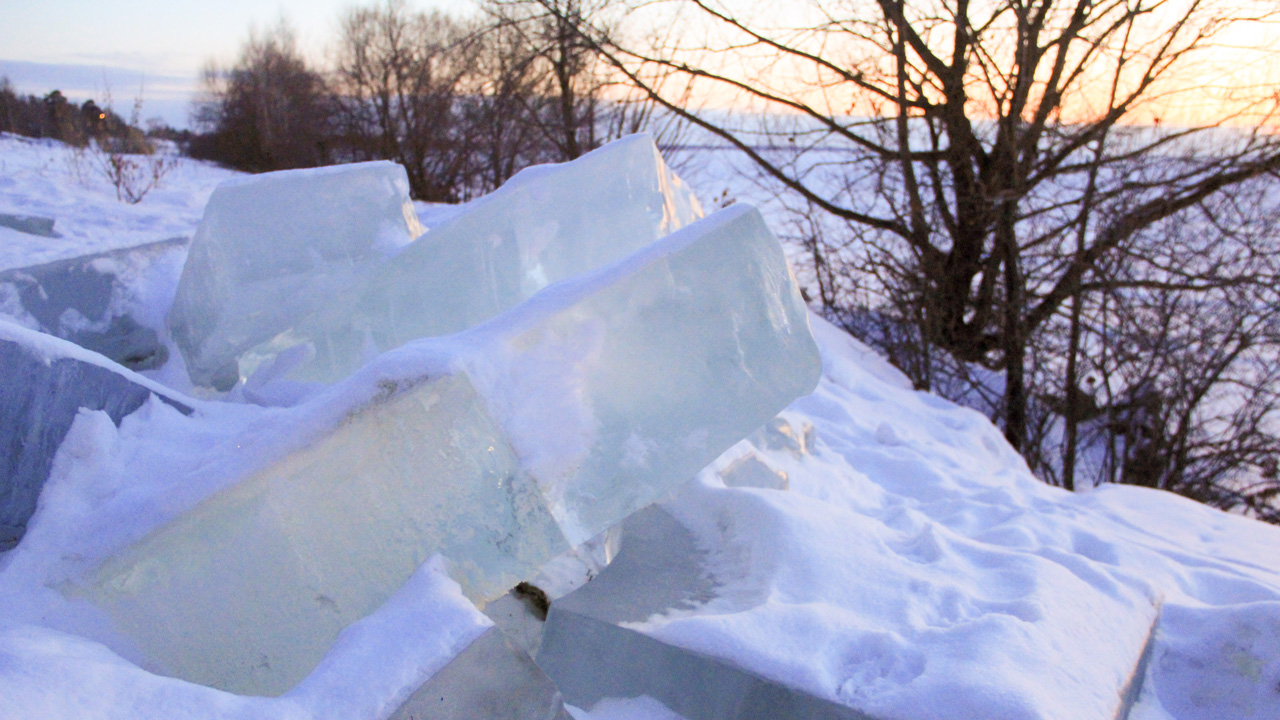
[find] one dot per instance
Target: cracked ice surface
(269, 250)
(547, 224)
(499, 448)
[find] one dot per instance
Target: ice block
(272, 247)
(99, 301)
(492, 679)
(591, 653)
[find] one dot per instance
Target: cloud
(93, 80)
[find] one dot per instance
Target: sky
(87, 48)
(155, 49)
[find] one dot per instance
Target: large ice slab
(101, 301)
(499, 448)
(272, 247)
(425, 654)
(546, 224)
(47, 382)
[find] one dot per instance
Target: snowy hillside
(873, 552)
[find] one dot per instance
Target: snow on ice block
(98, 301)
(427, 629)
(47, 382)
(612, 637)
(272, 248)
(499, 448)
(590, 654)
(547, 224)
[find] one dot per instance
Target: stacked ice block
(499, 448)
(97, 301)
(549, 223)
(47, 383)
(336, 274)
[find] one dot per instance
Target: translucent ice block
(249, 590)
(547, 224)
(272, 247)
(499, 448)
(681, 351)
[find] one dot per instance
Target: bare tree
(503, 99)
(1184, 364)
(964, 130)
(578, 102)
(989, 157)
(400, 74)
(267, 112)
(566, 66)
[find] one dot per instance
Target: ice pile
(346, 301)
(869, 552)
(498, 448)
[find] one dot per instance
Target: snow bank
(49, 179)
(917, 570)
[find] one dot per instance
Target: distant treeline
(53, 116)
(461, 103)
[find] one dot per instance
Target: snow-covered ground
(913, 570)
(49, 179)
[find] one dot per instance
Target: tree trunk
(1015, 350)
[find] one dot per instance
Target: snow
(46, 178)
(917, 570)
(914, 569)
